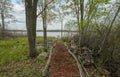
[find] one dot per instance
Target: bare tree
(109, 30)
(5, 8)
(61, 21)
(46, 16)
(2, 14)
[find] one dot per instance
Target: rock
(86, 56)
(73, 46)
(43, 55)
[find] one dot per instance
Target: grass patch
(40, 39)
(14, 59)
(12, 51)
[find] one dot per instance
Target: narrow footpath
(62, 64)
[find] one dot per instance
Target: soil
(62, 64)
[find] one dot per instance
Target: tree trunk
(3, 17)
(3, 23)
(31, 8)
(77, 8)
(82, 22)
(61, 28)
(45, 35)
(45, 26)
(61, 20)
(78, 23)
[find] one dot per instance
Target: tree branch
(44, 8)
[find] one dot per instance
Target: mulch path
(62, 64)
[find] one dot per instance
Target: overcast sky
(19, 13)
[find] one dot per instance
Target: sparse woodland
(88, 27)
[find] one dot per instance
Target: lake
(49, 34)
(56, 34)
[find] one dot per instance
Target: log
(82, 74)
(85, 70)
(82, 71)
(44, 72)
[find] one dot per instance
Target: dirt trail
(62, 63)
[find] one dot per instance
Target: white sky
(19, 14)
